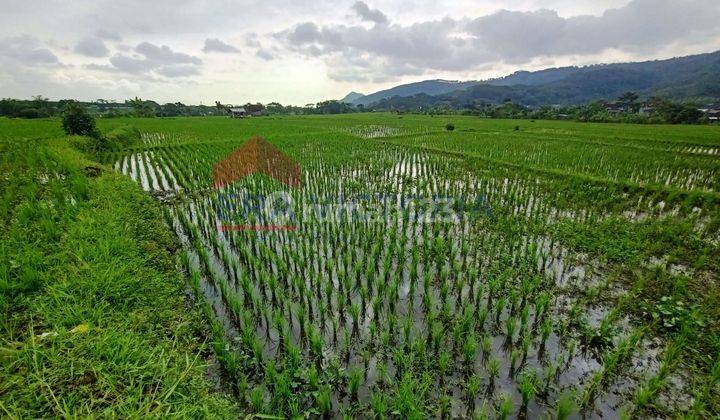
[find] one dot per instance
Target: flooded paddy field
(556, 270)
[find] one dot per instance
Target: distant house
(238, 112)
(712, 112)
(713, 115)
(615, 108)
(646, 110)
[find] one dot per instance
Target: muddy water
(340, 264)
(409, 306)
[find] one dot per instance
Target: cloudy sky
(298, 51)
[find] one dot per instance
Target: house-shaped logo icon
(256, 156)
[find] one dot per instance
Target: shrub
(122, 137)
(29, 113)
(449, 126)
(77, 120)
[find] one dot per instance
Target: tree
(40, 102)
(675, 113)
(101, 104)
(142, 108)
(590, 111)
(253, 108)
(630, 101)
(274, 108)
(173, 110)
(77, 120)
(9, 107)
(222, 109)
(332, 107)
(29, 113)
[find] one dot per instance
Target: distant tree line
(627, 108)
(276, 108)
(41, 107)
(656, 111)
(36, 107)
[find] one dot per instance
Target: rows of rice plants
(668, 168)
(468, 292)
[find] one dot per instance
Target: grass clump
(95, 318)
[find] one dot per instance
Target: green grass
(95, 318)
(592, 277)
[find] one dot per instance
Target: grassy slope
(95, 320)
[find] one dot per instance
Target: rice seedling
(545, 331)
(648, 391)
(444, 363)
(395, 314)
(379, 405)
(355, 377)
(323, 402)
(257, 399)
(515, 356)
(469, 351)
(527, 383)
(472, 387)
(445, 404)
(510, 325)
(493, 372)
(565, 406)
(505, 407)
(484, 412)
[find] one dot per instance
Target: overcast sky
(300, 51)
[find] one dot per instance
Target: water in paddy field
(462, 308)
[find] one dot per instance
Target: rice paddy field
(502, 269)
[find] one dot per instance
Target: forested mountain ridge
(694, 77)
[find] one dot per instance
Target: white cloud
(326, 46)
(27, 50)
(108, 35)
(368, 14)
(265, 55)
(642, 25)
(92, 47)
(152, 59)
(216, 45)
(181, 70)
(517, 37)
(164, 55)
